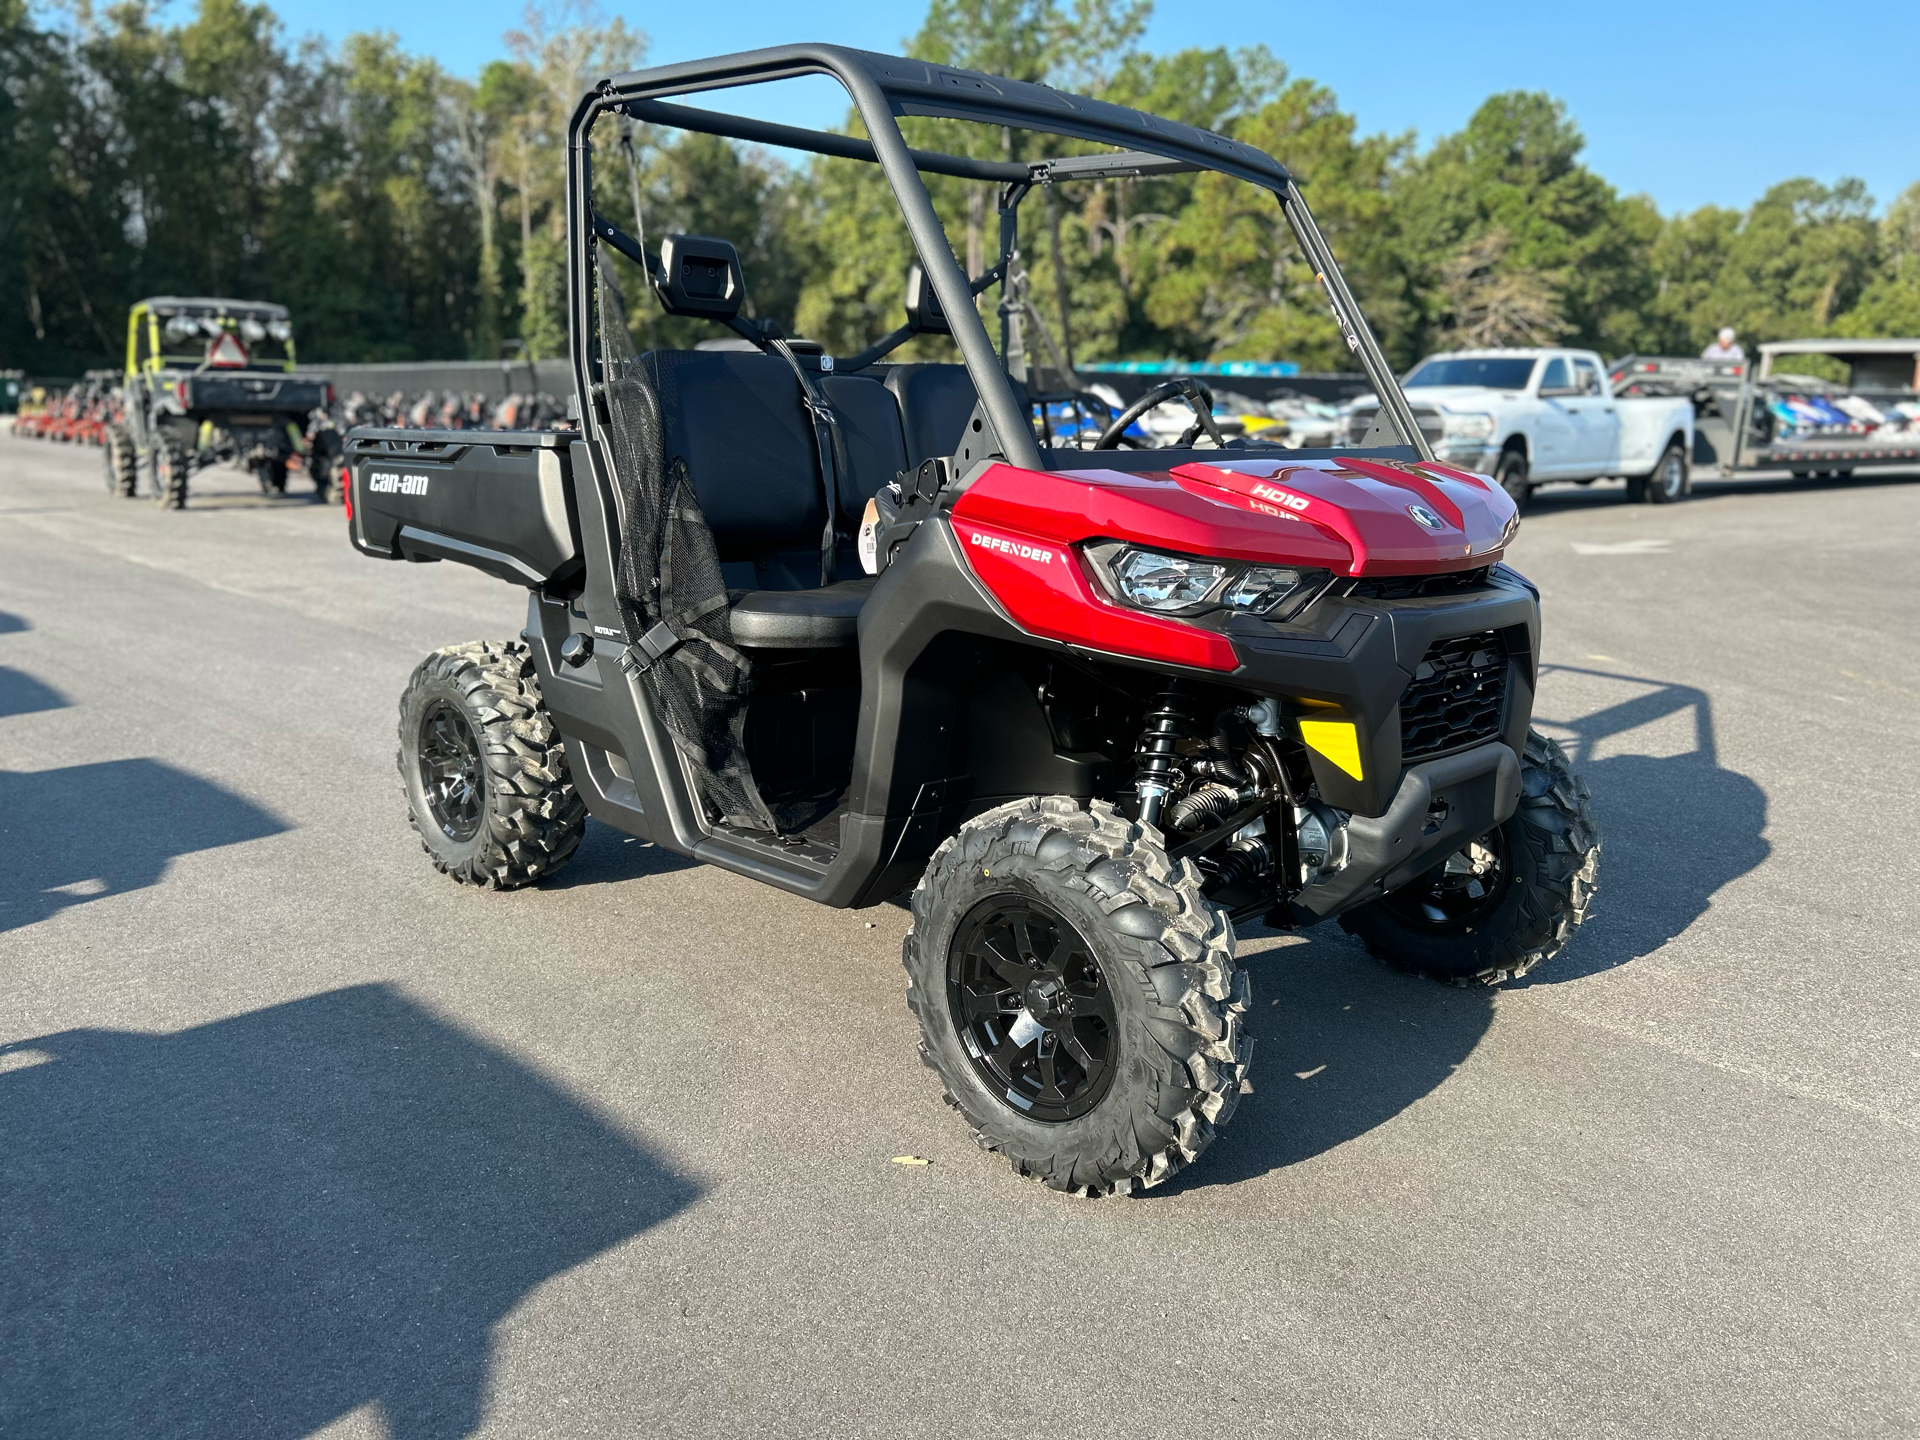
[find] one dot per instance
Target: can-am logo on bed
(386, 482)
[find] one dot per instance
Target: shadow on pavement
(12, 624)
(1674, 829)
(74, 834)
(21, 694)
(605, 856)
(1343, 1044)
(245, 1230)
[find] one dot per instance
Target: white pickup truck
(1530, 416)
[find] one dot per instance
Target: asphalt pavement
(299, 1138)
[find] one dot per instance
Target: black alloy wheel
(1032, 1007)
(1459, 893)
(450, 771)
(484, 768)
(1505, 903)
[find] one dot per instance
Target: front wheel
(123, 465)
(485, 771)
(1511, 472)
(1507, 902)
(1077, 995)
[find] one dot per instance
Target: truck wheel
(1671, 479)
(1077, 995)
(1511, 472)
(172, 463)
(484, 769)
(1512, 899)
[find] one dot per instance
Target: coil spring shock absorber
(1168, 721)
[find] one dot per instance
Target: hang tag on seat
(869, 539)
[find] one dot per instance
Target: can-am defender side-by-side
(856, 629)
(208, 379)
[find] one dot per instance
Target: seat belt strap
(829, 445)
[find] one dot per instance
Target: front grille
(1419, 587)
(1457, 696)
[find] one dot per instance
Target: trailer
(1816, 427)
(1766, 416)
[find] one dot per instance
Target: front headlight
(1262, 589)
(1184, 585)
(1468, 427)
(1165, 582)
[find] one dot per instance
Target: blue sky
(1691, 104)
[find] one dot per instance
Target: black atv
(859, 629)
(209, 379)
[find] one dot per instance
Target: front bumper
(1351, 659)
(1474, 455)
(1440, 806)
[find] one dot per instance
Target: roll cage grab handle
(882, 87)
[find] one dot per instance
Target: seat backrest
(876, 449)
(736, 418)
(936, 401)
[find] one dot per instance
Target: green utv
(211, 380)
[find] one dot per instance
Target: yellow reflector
(1337, 740)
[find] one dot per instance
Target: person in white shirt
(1724, 347)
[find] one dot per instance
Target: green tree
(1231, 282)
(558, 50)
(1889, 306)
(1516, 169)
(1803, 255)
(64, 260)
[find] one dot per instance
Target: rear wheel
(1498, 907)
(485, 771)
(1669, 481)
(1511, 472)
(172, 464)
(1077, 995)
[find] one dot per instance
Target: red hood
(1350, 515)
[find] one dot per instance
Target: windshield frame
(882, 87)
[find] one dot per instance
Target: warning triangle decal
(227, 353)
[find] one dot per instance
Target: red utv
(858, 629)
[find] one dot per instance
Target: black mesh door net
(673, 601)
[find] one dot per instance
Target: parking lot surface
(299, 1138)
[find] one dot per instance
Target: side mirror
(924, 315)
(700, 277)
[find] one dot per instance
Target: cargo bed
(497, 500)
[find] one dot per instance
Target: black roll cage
(883, 87)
